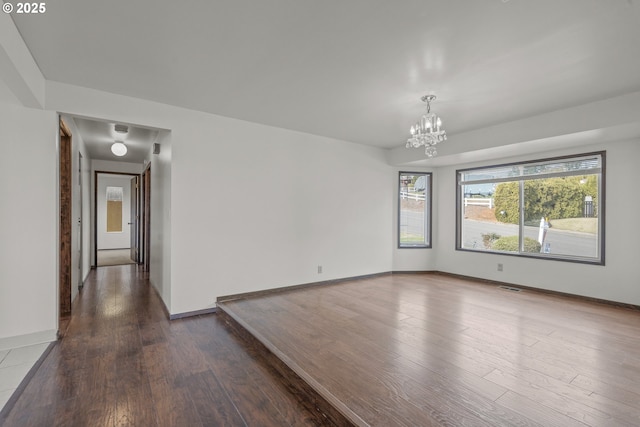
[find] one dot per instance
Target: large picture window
(414, 210)
(551, 208)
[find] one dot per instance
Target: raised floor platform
(434, 350)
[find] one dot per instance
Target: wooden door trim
(65, 227)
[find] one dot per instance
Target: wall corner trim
(193, 313)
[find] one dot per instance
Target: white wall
(121, 239)
(28, 223)
(160, 251)
(6, 95)
(28, 193)
(618, 280)
(271, 205)
(254, 207)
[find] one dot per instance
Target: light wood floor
(434, 350)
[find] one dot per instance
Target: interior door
(135, 220)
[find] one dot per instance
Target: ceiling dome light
(119, 149)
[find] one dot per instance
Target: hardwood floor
(121, 362)
(434, 350)
(402, 349)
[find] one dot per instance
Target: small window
(549, 209)
(114, 209)
(414, 210)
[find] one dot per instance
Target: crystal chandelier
(427, 131)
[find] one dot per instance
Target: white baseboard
(28, 339)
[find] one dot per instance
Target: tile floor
(14, 366)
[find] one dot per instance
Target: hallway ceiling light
(427, 131)
(119, 149)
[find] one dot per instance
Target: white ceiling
(98, 137)
(348, 69)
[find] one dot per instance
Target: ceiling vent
(121, 128)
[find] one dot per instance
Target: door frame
(146, 218)
(65, 228)
(80, 223)
(95, 210)
(134, 220)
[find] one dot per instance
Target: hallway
(122, 362)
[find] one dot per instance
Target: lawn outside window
(414, 210)
(548, 209)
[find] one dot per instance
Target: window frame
(427, 211)
(600, 260)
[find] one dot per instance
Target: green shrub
(506, 203)
(510, 244)
(553, 198)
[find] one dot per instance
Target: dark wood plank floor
(122, 363)
(434, 350)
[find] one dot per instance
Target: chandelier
(427, 131)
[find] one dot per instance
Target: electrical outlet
(319, 269)
(499, 267)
